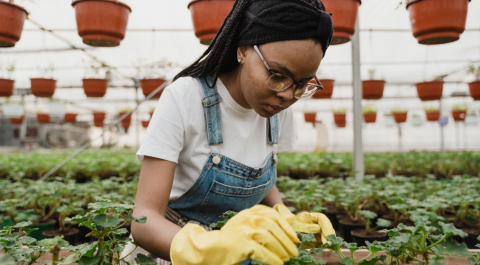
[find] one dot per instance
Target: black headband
(278, 20)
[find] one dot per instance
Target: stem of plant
(438, 242)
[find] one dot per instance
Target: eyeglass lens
(279, 82)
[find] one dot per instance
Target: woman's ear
(241, 54)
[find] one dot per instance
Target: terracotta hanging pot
(126, 124)
(6, 86)
(341, 124)
(12, 18)
(373, 89)
(431, 90)
(145, 123)
(310, 116)
(339, 117)
(17, 120)
(70, 117)
(149, 85)
(43, 118)
(128, 118)
(43, 87)
(101, 23)
(98, 118)
(208, 17)
(95, 87)
(400, 117)
(437, 21)
(432, 115)
(344, 16)
(151, 115)
(475, 89)
(370, 117)
(459, 115)
(327, 89)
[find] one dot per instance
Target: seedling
(339, 111)
(368, 215)
(460, 107)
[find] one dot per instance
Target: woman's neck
(231, 80)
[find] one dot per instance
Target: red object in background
(400, 117)
(95, 87)
(327, 89)
(6, 87)
(98, 118)
(344, 16)
(101, 23)
(151, 115)
(145, 123)
(126, 124)
(431, 90)
(459, 115)
(70, 117)
(373, 89)
(128, 118)
(432, 115)
(341, 124)
(149, 85)
(437, 21)
(17, 120)
(474, 89)
(370, 117)
(12, 18)
(340, 118)
(43, 87)
(310, 117)
(43, 118)
(208, 17)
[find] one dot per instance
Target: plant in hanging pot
(344, 16)
(369, 114)
(6, 84)
(372, 89)
(475, 85)
(459, 112)
(98, 117)
(400, 115)
(360, 235)
(437, 21)
(70, 117)
(327, 91)
(431, 90)
(101, 23)
(44, 87)
(128, 119)
(432, 113)
(310, 116)
(12, 18)
(17, 120)
(339, 116)
(94, 86)
(153, 76)
(145, 124)
(43, 117)
(152, 110)
(208, 17)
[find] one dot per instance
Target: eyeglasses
(279, 81)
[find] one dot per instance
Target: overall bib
(224, 184)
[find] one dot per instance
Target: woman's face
(299, 59)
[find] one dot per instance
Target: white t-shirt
(177, 132)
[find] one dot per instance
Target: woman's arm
(272, 198)
(154, 186)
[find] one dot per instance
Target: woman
(213, 140)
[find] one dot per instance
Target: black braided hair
(221, 56)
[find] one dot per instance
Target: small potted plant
(99, 28)
(310, 116)
(6, 84)
(70, 117)
(344, 15)
(339, 116)
(432, 113)
(43, 117)
(431, 90)
(400, 115)
(145, 124)
(98, 117)
(369, 114)
(327, 91)
(13, 17)
(44, 87)
(18, 120)
(208, 17)
(93, 85)
(128, 119)
(475, 85)
(459, 112)
(372, 89)
(69, 233)
(360, 235)
(428, 22)
(153, 76)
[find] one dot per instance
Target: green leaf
(103, 220)
(373, 248)
(383, 222)
(67, 260)
(22, 224)
(450, 230)
(142, 219)
(452, 247)
(84, 249)
(142, 259)
(6, 260)
(26, 240)
(367, 214)
(470, 260)
(91, 261)
(347, 261)
(401, 238)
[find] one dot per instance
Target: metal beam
(358, 160)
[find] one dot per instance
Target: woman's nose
(287, 94)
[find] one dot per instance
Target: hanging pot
(6, 86)
(149, 85)
(101, 23)
(17, 120)
(370, 117)
(373, 89)
(475, 89)
(43, 87)
(43, 118)
(341, 124)
(70, 117)
(151, 115)
(95, 87)
(432, 115)
(437, 21)
(98, 118)
(310, 116)
(128, 118)
(400, 117)
(208, 17)
(339, 117)
(431, 90)
(344, 16)
(459, 115)
(12, 18)
(145, 123)
(126, 124)
(327, 89)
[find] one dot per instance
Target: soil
(347, 225)
(471, 240)
(359, 236)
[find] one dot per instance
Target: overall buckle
(204, 100)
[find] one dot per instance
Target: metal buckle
(205, 104)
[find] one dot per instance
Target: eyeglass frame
(295, 82)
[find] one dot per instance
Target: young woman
(213, 140)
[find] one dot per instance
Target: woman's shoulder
(185, 87)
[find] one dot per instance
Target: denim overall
(224, 183)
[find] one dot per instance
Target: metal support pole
(358, 161)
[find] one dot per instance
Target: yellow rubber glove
(258, 233)
(315, 223)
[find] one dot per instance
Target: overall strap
(272, 129)
(211, 109)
